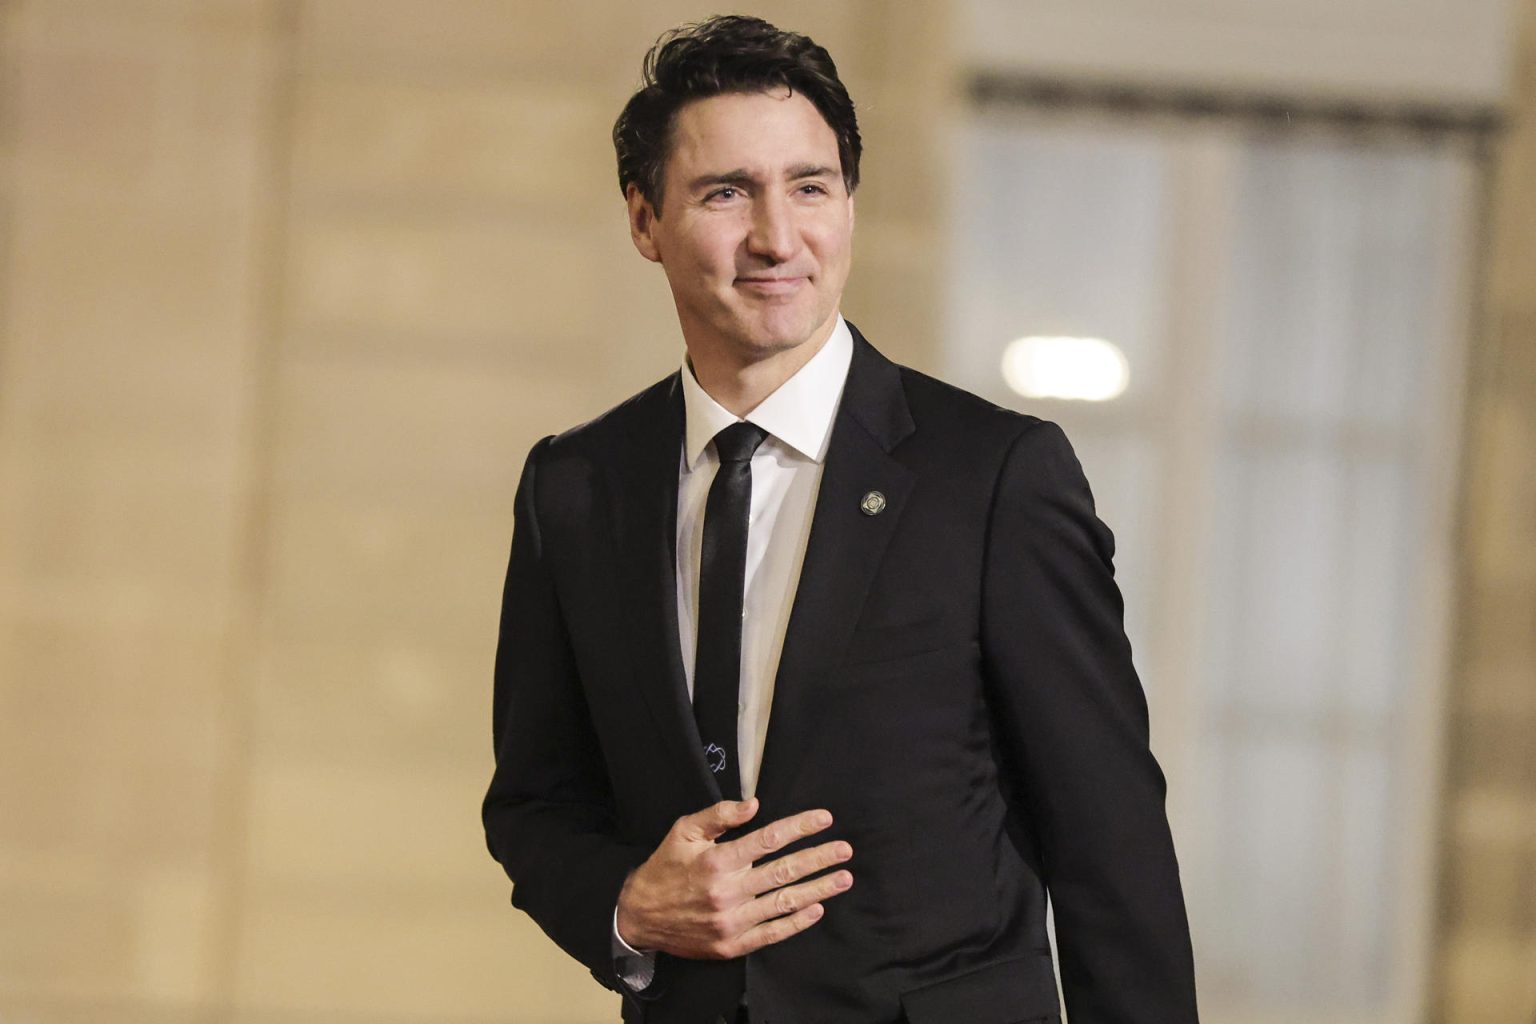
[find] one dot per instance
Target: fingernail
(816, 910)
(824, 819)
(844, 880)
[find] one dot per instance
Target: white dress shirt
(786, 476)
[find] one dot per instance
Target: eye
(812, 188)
(723, 194)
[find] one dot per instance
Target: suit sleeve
(549, 812)
(1072, 718)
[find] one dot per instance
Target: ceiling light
(1086, 369)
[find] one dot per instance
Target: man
(878, 608)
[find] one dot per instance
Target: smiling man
(811, 681)
(757, 241)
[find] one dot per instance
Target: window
(1279, 473)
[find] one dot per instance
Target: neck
(741, 385)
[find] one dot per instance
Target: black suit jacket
(955, 686)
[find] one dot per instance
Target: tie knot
(737, 442)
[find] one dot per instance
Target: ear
(642, 223)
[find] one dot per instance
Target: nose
(772, 235)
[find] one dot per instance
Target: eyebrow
(741, 176)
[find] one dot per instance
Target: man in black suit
(880, 609)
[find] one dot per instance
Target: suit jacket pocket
(1022, 989)
(884, 643)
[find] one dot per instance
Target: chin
(780, 334)
(765, 344)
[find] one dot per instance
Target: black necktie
(722, 583)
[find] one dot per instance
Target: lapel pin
(873, 503)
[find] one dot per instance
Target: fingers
(776, 874)
(775, 836)
(714, 821)
(791, 899)
(776, 930)
(709, 899)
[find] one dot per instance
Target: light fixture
(1087, 369)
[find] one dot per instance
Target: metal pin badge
(873, 503)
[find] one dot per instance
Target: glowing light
(1087, 369)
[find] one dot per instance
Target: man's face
(757, 225)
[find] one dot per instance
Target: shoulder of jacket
(977, 417)
(616, 426)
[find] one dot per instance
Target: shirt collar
(799, 413)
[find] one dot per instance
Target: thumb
(713, 822)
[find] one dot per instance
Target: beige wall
(1488, 960)
(289, 287)
(1388, 51)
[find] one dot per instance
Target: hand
(704, 900)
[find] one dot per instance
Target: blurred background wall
(288, 288)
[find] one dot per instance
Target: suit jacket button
(873, 503)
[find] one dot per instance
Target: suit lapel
(646, 541)
(842, 554)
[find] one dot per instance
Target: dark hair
(725, 54)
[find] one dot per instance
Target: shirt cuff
(634, 968)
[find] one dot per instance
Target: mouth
(771, 285)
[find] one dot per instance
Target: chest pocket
(888, 641)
